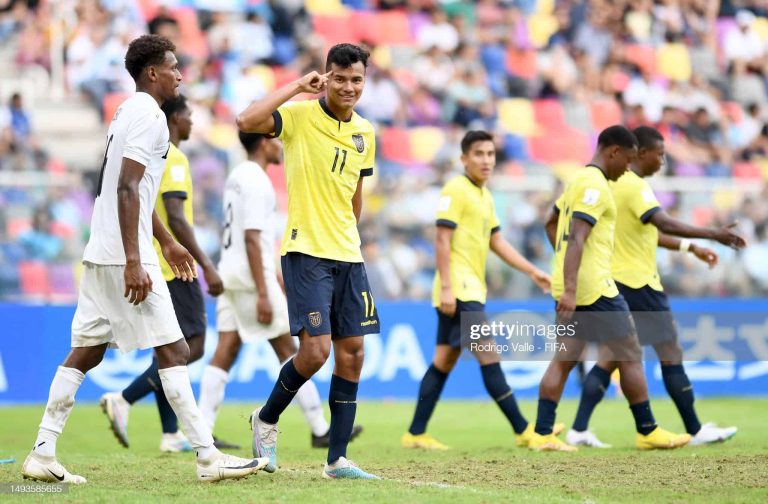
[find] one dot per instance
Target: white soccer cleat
(585, 438)
(264, 440)
(175, 443)
(711, 433)
(225, 466)
(40, 468)
(116, 408)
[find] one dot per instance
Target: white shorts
(104, 315)
(236, 311)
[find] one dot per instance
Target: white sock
(61, 399)
(178, 391)
(212, 387)
(309, 401)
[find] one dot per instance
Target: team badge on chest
(359, 143)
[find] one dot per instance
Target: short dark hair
(346, 55)
(174, 105)
(617, 135)
(472, 137)
(145, 51)
(251, 141)
(647, 136)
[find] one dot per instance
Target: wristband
(685, 245)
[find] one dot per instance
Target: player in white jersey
(253, 305)
(120, 258)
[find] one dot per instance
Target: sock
(498, 388)
(679, 389)
(144, 384)
(644, 421)
(288, 384)
(593, 389)
(212, 386)
(168, 418)
(309, 401)
(545, 417)
(178, 390)
(429, 392)
(343, 400)
(61, 399)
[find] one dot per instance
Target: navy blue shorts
(188, 303)
(650, 310)
(328, 297)
(605, 320)
(449, 328)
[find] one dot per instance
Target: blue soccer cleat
(264, 440)
(346, 469)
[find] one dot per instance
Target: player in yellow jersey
(639, 218)
(174, 208)
(467, 227)
(581, 229)
(329, 149)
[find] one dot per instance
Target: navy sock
(429, 393)
(680, 390)
(545, 417)
(288, 383)
(342, 398)
(498, 388)
(167, 416)
(593, 389)
(144, 384)
(644, 421)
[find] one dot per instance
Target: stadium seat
(540, 29)
(193, 42)
(516, 116)
(62, 279)
(284, 75)
(515, 147)
(643, 56)
(733, 111)
(521, 63)
(325, 7)
(549, 114)
(604, 113)
(383, 28)
(15, 226)
(148, 8)
(34, 278)
(396, 145)
(425, 142)
(747, 170)
(702, 216)
(565, 144)
(335, 29)
(110, 104)
(674, 62)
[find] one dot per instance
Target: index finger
(328, 74)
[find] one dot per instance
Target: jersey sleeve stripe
(366, 172)
(585, 217)
(648, 214)
(278, 123)
(446, 223)
(175, 194)
(496, 229)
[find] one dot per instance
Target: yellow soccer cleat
(550, 442)
(423, 441)
(660, 439)
(524, 437)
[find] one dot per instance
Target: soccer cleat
(585, 438)
(660, 439)
(264, 440)
(550, 442)
(224, 466)
(224, 445)
(423, 441)
(48, 469)
(116, 408)
(346, 469)
(325, 440)
(175, 443)
(522, 439)
(711, 433)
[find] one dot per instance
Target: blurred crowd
(545, 76)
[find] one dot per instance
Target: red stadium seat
(644, 56)
(396, 145)
(521, 63)
(193, 42)
(148, 8)
(746, 170)
(565, 144)
(383, 28)
(15, 226)
(604, 113)
(110, 104)
(549, 114)
(733, 110)
(34, 278)
(335, 29)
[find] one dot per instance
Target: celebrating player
(328, 150)
(254, 306)
(581, 229)
(467, 226)
(120, 258)
(174, 208)
(639, 218)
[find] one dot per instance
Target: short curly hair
(145, 51)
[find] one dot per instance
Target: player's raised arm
(580, 230)
(179, 259)
(257, 117)
(671, 226)
(511, 256)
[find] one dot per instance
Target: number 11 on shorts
(371, 305)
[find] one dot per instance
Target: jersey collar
(599, 169)
(329, 112)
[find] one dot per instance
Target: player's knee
(669, 353)
(314, 356)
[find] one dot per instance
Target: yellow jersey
(176, 183)
(588, 197)
(469, 210)
(324, 159)
(634, 254)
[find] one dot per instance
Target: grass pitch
(483, 465)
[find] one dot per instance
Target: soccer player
(253, 306)
(329, 149)
(175, 210)
(467, 226)
(581, 230)
(119, 258)
(639, 218)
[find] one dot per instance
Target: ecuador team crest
(359, 143)
(315, 319)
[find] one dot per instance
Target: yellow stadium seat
(540, 28)
(760, 26)
(325, 7)
(425, 142)
(516, 117)
(726, 199)
(545, 6)
(674, 62)
(763, 164)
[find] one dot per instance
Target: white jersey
(249, 203)
(138, 131)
